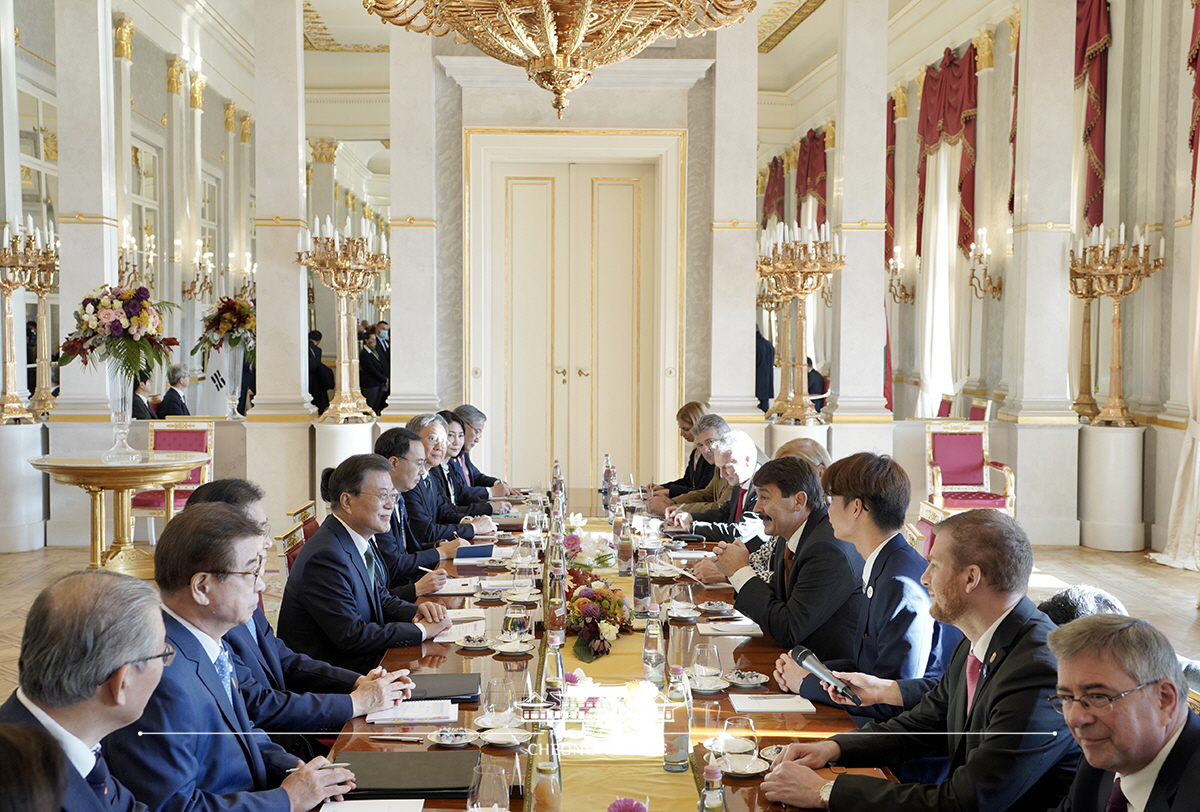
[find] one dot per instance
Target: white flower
(607, 631)
(575, 519)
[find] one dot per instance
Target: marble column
(1041, 438)
(320, 199)
(123, 117)
(183, 218)
(413, 229)
(278, 432)
(194, 251)
(861, 420)
(238, 239)
(10, 169)
(734, 233)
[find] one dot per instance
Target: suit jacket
(334, 611)
(320, 378)
(402, 557)
(896, 637)
(141, 409)
(477, 478)
(710, 497)
(298, 692)
(371, 373)
(1027, 771)
(697, 474)
(172, 404)
(461, 502)
(1176, 789)
(727, 524)
(764, 370)
(816, 386)
(466, 493)
(79, 797)
(821, 608)
(202, 773)
(431, 519)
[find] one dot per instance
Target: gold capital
(761, 185)
(985, 43)
(123, 45)
(790, 157)
(230, 116)
(921, 82)
(1014, 29)
(324, 150)
(175, 75)
(830, 134)
(900, 97)
(308, 175)
(197, 98)
(247, 120)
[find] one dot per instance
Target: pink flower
(626, 805)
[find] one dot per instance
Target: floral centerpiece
(123, 326)
(588, 552)
(231, 320)
(597, 612)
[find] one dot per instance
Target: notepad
(730, 627)
(474, 551)
(458, 586)
(771, 703)
(458, 631)
(416, 711)
(460, 615)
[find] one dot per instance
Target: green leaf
(583, 651)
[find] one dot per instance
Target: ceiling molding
(632, 74)
(781, 19)
(317, 36)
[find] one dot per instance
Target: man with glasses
(474, 421)
(1122, 692)
(91, 655)
(195, 747)
(432, 518)
(989, 713)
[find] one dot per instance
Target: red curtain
(948, 114)
(773, 195)
(889, 195)
(802, 173)
(1193, 65)
(1012, 134)
(1092, 38)
(810, 172)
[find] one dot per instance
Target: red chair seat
(293, 554)
(972, 499)
(158, 499)
(311, 526)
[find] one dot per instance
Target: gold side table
(164, 469)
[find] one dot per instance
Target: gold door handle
(562, 372)
(581, 373)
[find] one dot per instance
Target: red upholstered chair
(979, 409)
(945, 406)
(957, 464)
(292, 542)
(306, 517)
(174, 435)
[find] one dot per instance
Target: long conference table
(592, 780)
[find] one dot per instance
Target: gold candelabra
(900, 293)
(130, 273)
(1084, 286)
(21, 257)
(346, 266)
(980, 280)
(1117, 272)
(382, 300)
(43, 281)
(202, 280)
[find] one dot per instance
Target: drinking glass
(516, 626)
(525, 560)
(489, 789)
(498, 701)
(706, 666)
(681, 599)
(533, 520)
(737, 745)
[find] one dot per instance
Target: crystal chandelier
(560, 42)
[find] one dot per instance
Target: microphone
(809, 662)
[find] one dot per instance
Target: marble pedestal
(1110, 488)
(336, 442)
(780, 433)
(24, 487)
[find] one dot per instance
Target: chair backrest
(310, 526)
(979, 409)
(914, 537)
(293, 541)
(185, 435)
(306, 511)
(960, 450)
(945, 405)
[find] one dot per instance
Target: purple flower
(586, 592)
(90, 301)
(133, 307)
(591, 610)
(142, 293)
(571, 678)
(626, 805)
(116, 329)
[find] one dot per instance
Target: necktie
(369, 555)
(974, 666)
(450, 486)
(1116, 801)
(737, 511)
(98, 778)
(462, 463)
(225, 672)
(788, 557)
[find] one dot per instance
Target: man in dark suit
(998, 682)
(1122, 692)
(896, 638)
(716, 492)
(141, 407)
(475, 500)
(473, 424)
(815, 594)
(336, 606)
(320, 377)
(91, 655)
(736, 457)
(764, 370)
(174, 400)
(433, 518)
(816, 385)
(209, 566)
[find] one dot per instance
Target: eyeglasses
(258, 572)
(168, 657)
(386, 498)
(1096, 704)
(419, 463)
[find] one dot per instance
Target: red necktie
(462, 463)
(788, 558)
(1116, 801)
(974, 666)
(737, 512)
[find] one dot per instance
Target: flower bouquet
(587, 553)
(231, 321)
(597, 612)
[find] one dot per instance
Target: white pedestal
(1110, 488)
(336, 442)
(780, 433)
(22, 521)
(70, 509)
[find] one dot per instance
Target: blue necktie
(98, 778)
(225, 672)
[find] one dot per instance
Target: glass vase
(120, 400)
(233, 375)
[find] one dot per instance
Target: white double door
(572, 339)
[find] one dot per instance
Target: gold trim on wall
(247, 121)
(277, 220)
(230, 116)
(324, 150)
(1046, 227)
(123, 39)
(412, 222)
(87, 220)
(175, 66)
(783, 18)
(735, 225)
(317, 36)
(196, 97)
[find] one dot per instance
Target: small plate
(745, 679)
(532, 596)
(504, 535)
(716, 607)
(711, 742)
(488, 721)
(506, 737)
(719, 686)
(493, 563)
(474, 645)
(743, 765)
(490, 595)
(771, 751)
(683, 614)
(452, 737)
(665, 573)
(513, 647)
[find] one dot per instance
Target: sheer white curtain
(939, 294)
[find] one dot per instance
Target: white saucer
(770, 751)
(484, 646)
(715, 607)
(743, 765)
(720, 686)
(512, 647)
(487, 721)
(683, 614)
(470, 737)
(506, 737)
(759, 679)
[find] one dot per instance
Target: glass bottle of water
(641, 584)
(654, 652)
(712, 799)
(677, 724)
(556, 608)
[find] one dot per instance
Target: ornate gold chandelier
(560, 42)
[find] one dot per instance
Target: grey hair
(176, 373)
(1142, 651)
(81, 629)
(1080, 600)
(739, 443)
(420, 421)
(714, 422)
(808, 448)
(470, 415)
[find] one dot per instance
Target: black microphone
(809, 662)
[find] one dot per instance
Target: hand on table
(431, 611)
(706, 570)
(680, 518)
(871, 690)
(814, 754)
(788, 674)
(503, 489)
(446, 549)
(431, 582)
(502, 507)
(656, 490)
(310, 786)
(380, 689)
(731, 557)
(482, 524)
(659, 504)
(794, 784)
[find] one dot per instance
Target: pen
(424, 569)
(324, 766)
(413, 739)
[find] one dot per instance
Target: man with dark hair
(896, 638)
(1122, 693)
(710, 497)
(92, 653)
(473, 424)
(1079, 601)
(195, 747)
(815, 594)
(336, 606)
(990, 712)
(320, 377)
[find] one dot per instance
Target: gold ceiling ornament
(781, 20)
(1014, 29)
(900, 97)
(317, 36)
(230, 116)
(560, 44)
(247, 121)
(123, 42)
(324, 150)
(197, 97)
(985, 45)
(175, 68)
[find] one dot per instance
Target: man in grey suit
(1123, 694)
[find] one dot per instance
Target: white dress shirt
(743, 575)
(82, 757)
(1136, 787)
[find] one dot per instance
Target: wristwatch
(826, 790)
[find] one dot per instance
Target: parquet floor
(1164, 596)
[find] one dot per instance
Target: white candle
(1162, 246)
(383, 244)
(1137, 235)
(7, 238)
(329, 232)
(1107, 245)
(1121, 240)
(37, 239)
(29, 225)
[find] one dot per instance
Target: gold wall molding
(308, 175)
(1183, 222)
(735, 225)
(1046, 227)
(985, 45)
(920, 80)
(900, 97)
(1014, 29)
(49, 143)
(230, 116)
(87, 220)
(279, 221)
(830, 130)
(412, 222)
(175, 67)
(324, 150)
(781, 19)
(123, 39)
(862, 225)
(1068, 419)
(247, 122)
(317, 36)
(836, 417)
(196, 98)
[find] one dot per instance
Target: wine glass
(737, 746)
(706, 666)
(525, 559)
(489, 789)
(516, 625)
(497, 701)
(682, 601)
(533, 521)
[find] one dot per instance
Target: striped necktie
(225, 672)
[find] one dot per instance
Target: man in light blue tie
(203, 753)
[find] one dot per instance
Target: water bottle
(556, 608)
(641, 585)
(606, 485)
(677, 723)
(547, 794)
(712, 799)
(654, 653)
